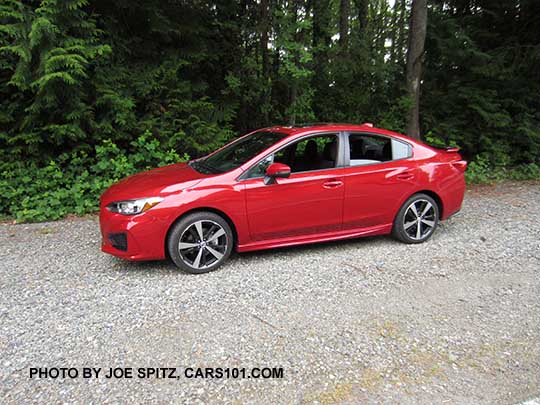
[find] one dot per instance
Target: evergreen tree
(92, 90)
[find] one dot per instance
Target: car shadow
(149, 267)
(167, 267)
(300, 250)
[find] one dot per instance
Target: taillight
(461, 165)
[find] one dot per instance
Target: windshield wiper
(203, 165)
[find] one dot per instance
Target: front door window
(314, 153)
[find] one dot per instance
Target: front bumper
(137, 237)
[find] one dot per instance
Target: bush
(529, 171)
(490, 167)
(479, 171)
(73, 183)
(482, 171)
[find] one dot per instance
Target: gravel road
(456, 319)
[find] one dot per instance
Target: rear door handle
(405, 176)
(332, 183)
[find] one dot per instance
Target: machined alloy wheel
(200, 242)
(417, 219)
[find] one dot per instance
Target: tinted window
(368, 149)
(313, 153)
(237, 153)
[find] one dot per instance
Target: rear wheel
(417, 219)
(200, 242)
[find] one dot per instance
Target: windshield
(237, 153)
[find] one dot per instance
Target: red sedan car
(283, 186)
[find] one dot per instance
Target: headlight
(132, 207)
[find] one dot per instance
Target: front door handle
(332, 183)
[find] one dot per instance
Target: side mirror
(276, 170)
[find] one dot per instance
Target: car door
(380, 175)
(309, 202)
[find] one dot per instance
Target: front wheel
(200, 242)
(417, 219)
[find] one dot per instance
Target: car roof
(299, 129)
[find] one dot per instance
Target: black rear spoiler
(449, 149)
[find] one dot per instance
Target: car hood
(153, 183)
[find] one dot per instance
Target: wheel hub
(202, 244)
(419, 219)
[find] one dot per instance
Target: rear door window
(365, 149)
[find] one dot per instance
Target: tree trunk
(265, 28)
(322, 38)
(381, 29)
(394, 32)
(415, 51)
(362, 8)
(401, 30)
(296, 58)
(344, 10)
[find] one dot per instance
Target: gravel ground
(456, 319)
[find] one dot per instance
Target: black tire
(198, 256)
(407, 223)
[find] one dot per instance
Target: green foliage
(81, 80)
(432, 139)
(481, 83)
(294, 67)
(529, 171)
(481, 171)
(73, 183)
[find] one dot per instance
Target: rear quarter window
(401, 150)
